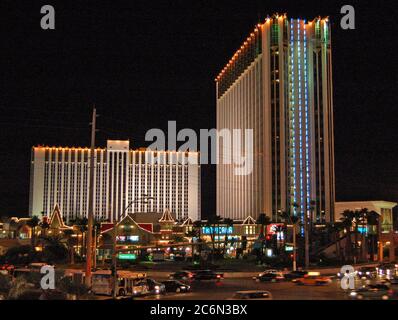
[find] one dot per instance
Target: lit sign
(217, 230)
(288, 248)
(273, 227)
(128, 238)
(127, 256)
(362, 230)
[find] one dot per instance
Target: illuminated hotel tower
(61, 176)
(279, 83)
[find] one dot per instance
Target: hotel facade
(279, 83)
(60, 176)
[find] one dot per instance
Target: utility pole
(294, 248)
(89, 242)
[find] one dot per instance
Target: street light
(145, 199)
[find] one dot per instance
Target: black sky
(146, 62)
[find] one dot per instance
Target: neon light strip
(300, 116)
(293, 111)
(307, 162)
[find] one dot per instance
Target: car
(207, 275)
(7, 269)
(181, 275)
(176, 286)
(38, 265)
(266, 272)
(252, 295)
(154, 286)
(295, 274)
(376, 291)
(386, 269)
(393, 280)
(270, 277)
(366, 273)
(313, 279)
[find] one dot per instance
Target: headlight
(183, 287)
(157, 287)
(359, 272)
(368, 273)
(339, 274)
(353, 294)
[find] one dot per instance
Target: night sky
(146, 62)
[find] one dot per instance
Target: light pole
(294, 248)
(145, 199)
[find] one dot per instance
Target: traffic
(370, 283)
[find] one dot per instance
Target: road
(209, 290)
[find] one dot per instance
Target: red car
(9, 268)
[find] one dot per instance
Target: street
(210, 290)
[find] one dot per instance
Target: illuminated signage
(288, 248)
(217, 230)
(127, 256)
(128, 238)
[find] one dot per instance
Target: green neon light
(127, 256)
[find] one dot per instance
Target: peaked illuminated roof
(187, 222)
(166, 217)
(56, 220)
(249, 221)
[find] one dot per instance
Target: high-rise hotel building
(279, 83)
(121, 176)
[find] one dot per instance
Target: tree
(54, 250)
(70, 243)
(264, 221)
(213, 223)
(68, 286)
(197, 226)
(351, 220)
(5, 284)
(81, 224)
(33, 223)
(334, 229)
(290, 218)
(372, 218)
(44, 225)
(192, 234)
(228, 223)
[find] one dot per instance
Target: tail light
(391, 291)
(218, 276)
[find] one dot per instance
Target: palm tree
(351, 219)
(362, 220)
(33, 223)
(81, 224)
(69, 242)
(212, 223)
(192, 234)
(372, 221)
(228, 223)
(197, 226)
(334, 229)
(294, 221)
(280, 230)
(264, 221)
(44, 225)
